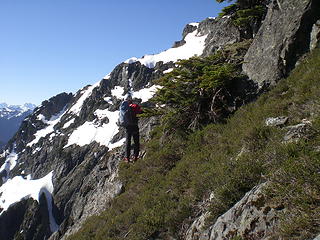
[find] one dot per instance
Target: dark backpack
(125, 115)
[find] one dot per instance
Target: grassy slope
(179, 171)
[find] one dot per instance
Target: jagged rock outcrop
(27, 219)
(251, 218)
(221, 32)
(315, 36)
(34, 122)
(282, 39)
(276, 121)
(299, 131)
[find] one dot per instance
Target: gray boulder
(276, 121)
(317, 238)
(221, 32)
(282, 39)
(315, 36)
(251, 218)
(299, 131)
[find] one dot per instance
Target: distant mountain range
(11, 117)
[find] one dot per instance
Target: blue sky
(53, 46)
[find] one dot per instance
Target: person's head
(129, 98)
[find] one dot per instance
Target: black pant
(132, 131)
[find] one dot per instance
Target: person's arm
(140, 111)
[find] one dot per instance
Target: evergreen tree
(247, 15)
(196, 92)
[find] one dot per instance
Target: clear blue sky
(53, 46)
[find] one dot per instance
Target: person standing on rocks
(129, 120)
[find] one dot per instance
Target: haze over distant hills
(11, 117)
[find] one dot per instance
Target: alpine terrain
(11, 117)
(229, 139)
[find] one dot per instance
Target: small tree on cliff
(247, 15)
(245, 3)
(196, 92)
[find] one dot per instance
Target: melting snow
(146, 93)
(168, 70)
(117, 92)
(108, 100)
(76, 108)
(107, 76)
(9, 164)
(93, 131)
(194, 24)
(48, 129)
(67, 124)
(194, 46)
(18, 188)
(116, 144)
(36, 150)
(42, 118)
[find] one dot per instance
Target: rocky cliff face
(285, 35)
(70, 147)
(251, 218)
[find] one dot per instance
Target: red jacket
(136, 109)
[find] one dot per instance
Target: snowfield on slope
(9, 164)
(194, 46)
(18, 188)
(94, 131)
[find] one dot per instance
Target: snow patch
(116, 144)
(146, 93)
(67, 124)
(195, 24)
(94, 131)
(107, 76)
(194, 46)
(42, 118)
(36, 150)
(168, 70)
(108, 100)
(117, 92)
(48, 129)
(76, 108)
(18, 188)
(9, 164)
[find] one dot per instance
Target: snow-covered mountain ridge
(11, 117)
(11, 111)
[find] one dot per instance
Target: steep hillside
(182, 187)
(199, 157)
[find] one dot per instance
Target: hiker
(129, 120)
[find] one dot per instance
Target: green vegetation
(181, 168)
(245, 3)
(247, 15)
(196, 92)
